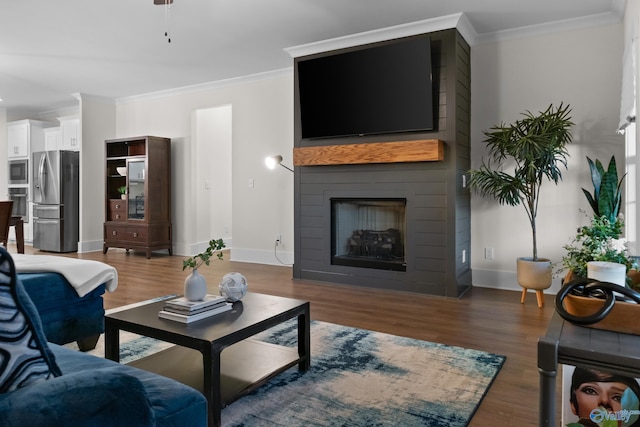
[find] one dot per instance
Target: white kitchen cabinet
(25, 137)
(52, 139)
(18, 139)
(70, 133)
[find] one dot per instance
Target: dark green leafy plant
(607, 190)
(599, 241)
(122, 190)
(535, 147)
(205, 257)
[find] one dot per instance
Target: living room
(511, 74)
(578, 62)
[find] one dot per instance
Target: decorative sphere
(233, 286)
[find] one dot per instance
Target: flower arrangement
(205, 257)
(599, 241)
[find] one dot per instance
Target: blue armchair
(45, 384)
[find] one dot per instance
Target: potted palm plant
(523, 155)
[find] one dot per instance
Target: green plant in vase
(123, 192)
(195, 286)
(523, 155)
(602, 239)
(599, 241)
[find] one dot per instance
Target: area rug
(359, 378)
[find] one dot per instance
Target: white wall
(262, 124)
(578, 67)
(97, 124)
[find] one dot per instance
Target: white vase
(611, 272)
(195, 286)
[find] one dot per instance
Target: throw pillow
(25, 357)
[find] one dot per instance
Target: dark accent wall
(438, 207)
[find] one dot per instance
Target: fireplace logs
(384, 244)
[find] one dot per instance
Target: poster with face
(596, 398)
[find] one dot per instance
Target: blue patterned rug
(358, 378)
(365, 378)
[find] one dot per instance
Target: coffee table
(217, 355)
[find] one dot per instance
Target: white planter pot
(534, 274)
(611, 272)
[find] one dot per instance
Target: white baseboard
(506, 280)
(90, 246)
(258, 256)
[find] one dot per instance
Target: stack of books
(185, 311)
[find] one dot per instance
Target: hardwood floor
(484, 319)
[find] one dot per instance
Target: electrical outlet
(278, 239)
(488, 253)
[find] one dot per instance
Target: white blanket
(83, 274)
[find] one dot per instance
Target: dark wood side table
(18, 223)
(198, 359)
(579, 346)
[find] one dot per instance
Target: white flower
(617, 245)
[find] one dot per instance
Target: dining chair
(5, 218)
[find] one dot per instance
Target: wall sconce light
(273, 161)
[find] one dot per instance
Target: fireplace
(368, 233)
(418, 175)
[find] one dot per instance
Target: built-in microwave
(18, 172)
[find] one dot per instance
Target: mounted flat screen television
(386, 88)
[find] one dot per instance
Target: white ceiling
(50, 50)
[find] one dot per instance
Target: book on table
(183, 305)
(192, 312)
(188, 318)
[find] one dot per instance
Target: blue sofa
(65, 316)
(44, 384)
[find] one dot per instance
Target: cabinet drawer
(117, 210)
(125, 233)
(115, 231)
(136, 234)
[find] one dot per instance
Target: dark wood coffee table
(198, 358)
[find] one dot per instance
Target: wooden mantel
(425, 150)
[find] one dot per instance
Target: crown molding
(208, 86)
(378, 35)
(608, 18)
(460, 21)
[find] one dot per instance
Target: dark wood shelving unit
(142, 221)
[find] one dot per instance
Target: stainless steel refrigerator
(55, 192)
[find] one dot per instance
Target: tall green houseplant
(534, 149)
(607, 189)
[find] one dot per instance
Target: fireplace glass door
(368, 233)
